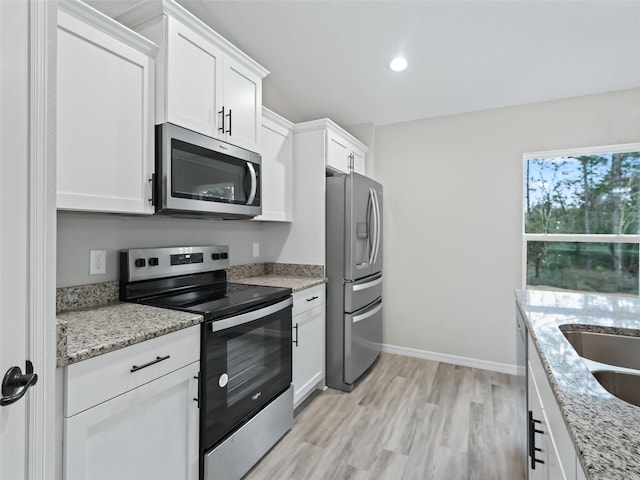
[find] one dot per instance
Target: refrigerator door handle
(372, 199)
(370, 313)
(378, 234)
(364, 286)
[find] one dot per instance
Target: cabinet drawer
(150, 432)
(93, 381)
(307, 299)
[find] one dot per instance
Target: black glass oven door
(244, 367)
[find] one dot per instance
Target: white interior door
(13, 227)
(26, 208)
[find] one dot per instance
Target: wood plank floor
(408, 419)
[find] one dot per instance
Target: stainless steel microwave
(198, 175)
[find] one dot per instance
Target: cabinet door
(539, 470)
(338, 152)
(194, 81)
(307, 352)
(150, 432)
(243, 106)
(104, 121)
(358, 161)
(277, 167)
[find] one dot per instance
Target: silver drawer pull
(135, 368)
(311, 299)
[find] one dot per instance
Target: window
(582, 219)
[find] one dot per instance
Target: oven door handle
(231, 322)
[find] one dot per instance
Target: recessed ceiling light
(398, 64)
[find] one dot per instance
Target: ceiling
(330, 58)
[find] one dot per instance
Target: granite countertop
(87, 333)
(289, 275)
(295, 283)
(91, 321)
(605, 430)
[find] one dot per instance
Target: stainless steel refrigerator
(354, 270)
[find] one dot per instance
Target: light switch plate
(256, 249)
(97, 262)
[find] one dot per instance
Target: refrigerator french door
(354, 270)
(362, 206)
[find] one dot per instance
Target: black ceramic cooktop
(220, 301)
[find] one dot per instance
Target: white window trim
(558, 237)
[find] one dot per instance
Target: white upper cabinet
(277, 168)
(193, 71)
(242, 105)
(105, 91)
(343, 152)
(204, 83)
(338, 153)
(358, 160)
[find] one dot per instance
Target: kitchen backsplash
(83, 296)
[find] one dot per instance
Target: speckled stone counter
(83, 334)
(294, 283)
(605, 430)
(83, 296)
(294, 276)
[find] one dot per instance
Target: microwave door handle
(254, 183)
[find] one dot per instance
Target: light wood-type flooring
(408, 419)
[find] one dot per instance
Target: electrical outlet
(97, 262)
(256, 249)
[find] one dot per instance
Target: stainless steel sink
(625, 386)
(618, 350)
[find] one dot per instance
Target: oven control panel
(149, 263)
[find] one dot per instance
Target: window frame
(569, 237)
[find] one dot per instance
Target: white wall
(80, 232)
(453, 220)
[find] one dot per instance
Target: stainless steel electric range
(245, 395)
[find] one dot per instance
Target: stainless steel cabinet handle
(312, 299)
(229, 115)
(135, 368)
(296, 329)
(221, 127)
(152, 183)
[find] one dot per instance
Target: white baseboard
(454, 359)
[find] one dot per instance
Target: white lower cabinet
(552, 445)
(149, 431)
(308, 342)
